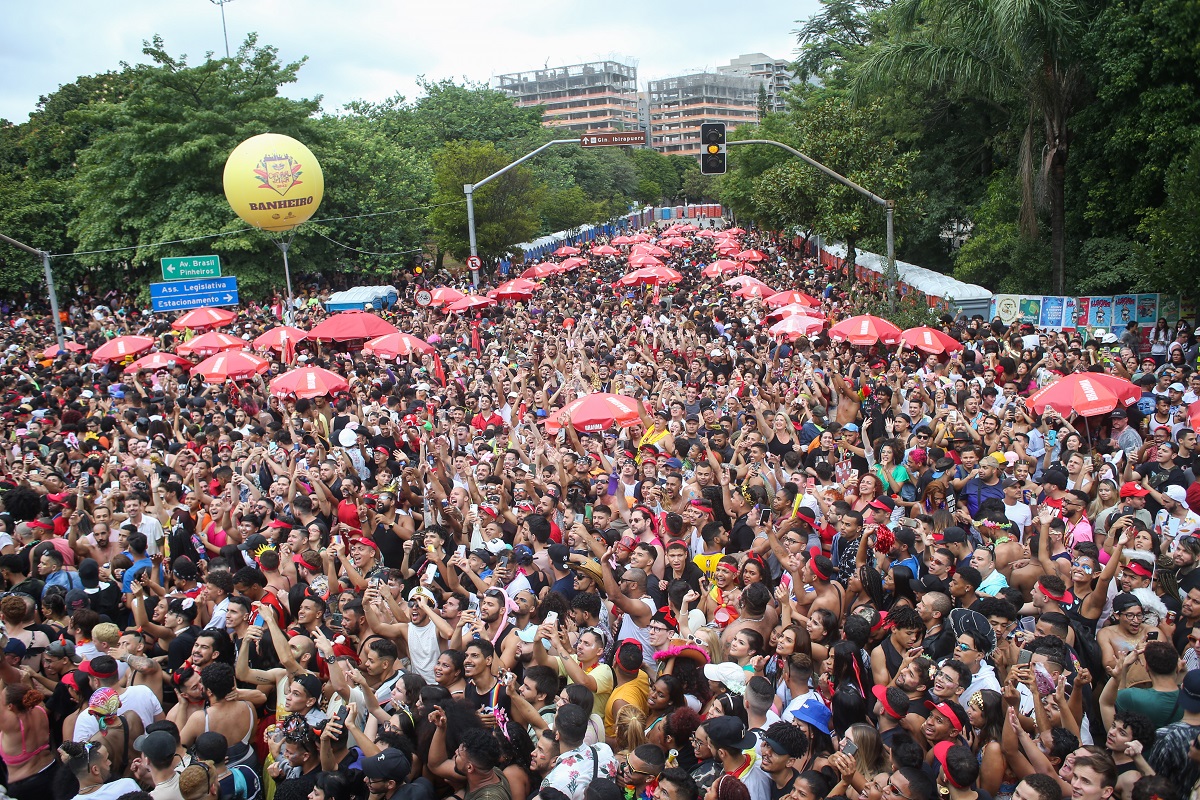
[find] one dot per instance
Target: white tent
(966, 296)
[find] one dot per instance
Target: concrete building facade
(678, 106)
(775, 73)
(597, 96)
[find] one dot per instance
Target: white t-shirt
(111, 791)
(139, 699)
(154, 532)
(1020, 515)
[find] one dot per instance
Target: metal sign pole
(45, 256)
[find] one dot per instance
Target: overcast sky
(372, 49)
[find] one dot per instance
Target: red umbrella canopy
(1080, 392)
(728, 248)
(350, 325)
(122, 347)
(536, 271)
(795, 326)
(659, 274)
(796, 308)
(309, 382)
(467, 302)
(751, 255)
(274, 338)
(705, 234)
(209, 343)
(931, 340)
(722, 266)
(394, 345)
(734, 231)
(865, 330)
(444, 295)
(68, 345)
(567, 250)
(605, 250)
(640, 236)
(517, 289)
(596, 412)
(236, 364)
(157, 361)
(754, 290)
(674, 241)
(787, 298)
(649, 250)
(643, 260)
(747, 280)
(201, 319)
(622, 240)
(568, 264)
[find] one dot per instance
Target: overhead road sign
(181, 269)
(201, 293)
(614, 139)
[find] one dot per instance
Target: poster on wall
(1083, 309)
(1099, 312)
(1124, 311)
(1031, 309)
(1007, 308)
(1187, 309)
(1168, 307)
(1147, 310)
(1052, 312)
(1070, 310)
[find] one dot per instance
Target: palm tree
(1018, 54)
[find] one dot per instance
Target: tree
(836, 37)
(654, 167)
(154, 173)
(1007, 52)
(1174, 230)
(505, 209)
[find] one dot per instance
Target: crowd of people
(801, 569)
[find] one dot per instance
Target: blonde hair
(106, 632)
(197, 779)
(869, 761)
(630, 727)
(712, 643)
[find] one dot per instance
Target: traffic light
(712, 142)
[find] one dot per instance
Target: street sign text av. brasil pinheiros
(183, 295)
(181, 269)
(612, 139)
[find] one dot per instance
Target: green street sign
(189, 267)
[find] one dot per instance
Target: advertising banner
(1052, 312)
(1031, 309)
(1100, 312)
(1147, 309)
(1124, 311)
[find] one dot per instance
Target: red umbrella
(394, 345)
(931, 340)
(201, 319)
(536, 271)
(517, 289)
(733, 231)
(444, 295)
(793, 327)
(728, 248)
(751, 255)
(467, 302)
(309, 382)
(1080, 392)
(748, 280)
(71, 347)
(596, 412)
(274, 339)
(157, 361)
(1125, 391)
(622, 240)
(687, 227)
(122, 347)
(705, 234)
(754, 290)
(643, 260)
(865, 330)
(234, 364)
(655, 275)
(605, 250)
(794, 309)
(350, 325)
(206, 344)
(649, 250)
(567, 250)
(640, 236)
(722, 266)
(568, 264)
(674, 241)
(791, 296)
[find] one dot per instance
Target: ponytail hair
(21, 697)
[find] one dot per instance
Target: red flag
(476, 342)
(438, 372)
(288, 351)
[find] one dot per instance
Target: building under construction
(678, 106)
(598, 96)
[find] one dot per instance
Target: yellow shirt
(636, 692)
(601, 673)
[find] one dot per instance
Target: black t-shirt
(297, 788)
(741, 538)
(496, 696)
(1159, 480)
(940, 645)
(180, 648)
(778, 792)
(391, 546)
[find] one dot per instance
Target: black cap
(1119, 413)
(729, 733)
(253, 542)
(389, 765)
(184, 568)
(929, 583)
(954, 535)
(559, 555)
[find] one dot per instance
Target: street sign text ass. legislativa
(613, 139)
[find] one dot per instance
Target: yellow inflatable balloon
(273, 182)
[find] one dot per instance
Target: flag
(288, 351)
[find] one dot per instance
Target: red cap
(949, 713)
(939, 752)
(1139, 569)
(365, 542)
(880, 692)
(1131, 489)
(1066, 598)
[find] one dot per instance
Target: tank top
(630, 630)
(423, 650)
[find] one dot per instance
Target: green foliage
(997, 253)
(505, 209)
(1174, 230)
(655, 169)
(909, 311)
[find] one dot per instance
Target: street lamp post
(469, 190)
(888, 205)
(45, 256)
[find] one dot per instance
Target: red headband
(812, 562)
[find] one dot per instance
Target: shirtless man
(818, 573)
(143, 671)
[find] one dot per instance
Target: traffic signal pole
(469, 190)
(889, 207)
(45, 256)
